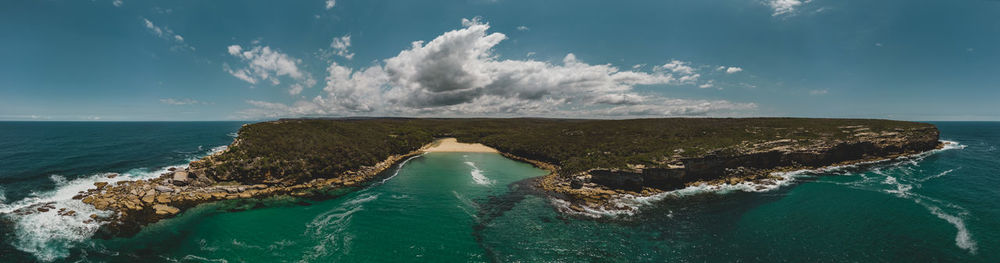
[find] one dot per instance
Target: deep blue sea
(942, 206)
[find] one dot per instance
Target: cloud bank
(458, 74)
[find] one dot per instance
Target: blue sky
(253, 60)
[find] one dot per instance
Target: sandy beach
(452, 145)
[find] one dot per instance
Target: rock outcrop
(137, 203)
(745, 162)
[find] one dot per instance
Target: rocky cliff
(743, 162)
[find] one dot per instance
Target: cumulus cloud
(783, 7)
(167, 34)
(184, 101)
(523, 28)
(340, 46)
(458, 74)
(117, 3)
(330, 4)
(732, 70)
(265, 64)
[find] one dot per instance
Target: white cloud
(330, 4)
(732, 70)
(457, 74)
(678, 66)
(522, 28)
(783, 7)
(818, 92)
(117, 3)
(706, 85)
(167, 34)
(265, 64)
(155, 29)
(184, 101)
(340, 46)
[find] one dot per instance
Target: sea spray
(50, 235)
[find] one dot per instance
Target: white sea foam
(468, 206)
(203, 245)
(328, 228)
(477, 175)
(218, 149)
(946, 172)
(398, 168)
(3, 196)
(49, 236)
(900, 186)
(631, 204)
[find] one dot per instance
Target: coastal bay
(592, 164)
(506, 219)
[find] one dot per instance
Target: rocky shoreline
(126, 206)
(597, 189)
(130, 205)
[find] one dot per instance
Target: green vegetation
(297, 150)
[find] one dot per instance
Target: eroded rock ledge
(755, 163)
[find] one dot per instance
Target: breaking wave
(477, 175)
(631, 204)
(40, 229)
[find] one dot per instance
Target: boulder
(166, 210)
(100, 185)
(180, 178)
(112, 175)
(165, 189)
(101, 204)
(163, 198)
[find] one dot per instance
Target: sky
(129, 60)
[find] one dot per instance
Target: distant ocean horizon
(476, 207)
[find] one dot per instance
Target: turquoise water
(476, 207)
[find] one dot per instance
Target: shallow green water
(426, 211)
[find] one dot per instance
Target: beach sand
(452, 145)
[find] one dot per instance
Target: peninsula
(590, 161)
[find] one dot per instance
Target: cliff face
(749, 162)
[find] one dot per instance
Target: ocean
(478, 207)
